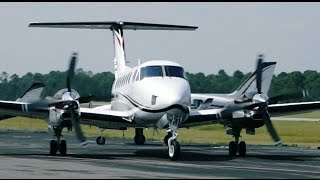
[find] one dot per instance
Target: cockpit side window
(175, 71)
(150, 71)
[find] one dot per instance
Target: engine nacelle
(243, 119)
(253, 120)
(55, 116)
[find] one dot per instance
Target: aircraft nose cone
(179, 94)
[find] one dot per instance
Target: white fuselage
(152, 89)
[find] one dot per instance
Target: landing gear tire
(139, 140)
(232, 149)
(242, 148)
(53, 147)
(63, 148)
(174, 150)
(101, 140)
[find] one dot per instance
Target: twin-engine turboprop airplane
(154, 94)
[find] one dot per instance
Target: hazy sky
(229, 37)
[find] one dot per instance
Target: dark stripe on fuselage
(143, 108)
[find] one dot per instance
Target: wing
(292, 108)
(100, 116)
(30, 95)
(105, 118)
(202, 117)
(215, 116)
(16, 108)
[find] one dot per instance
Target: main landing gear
(58, 145)
(166, 138)
(101, 140)
(139, 138)
(235, 146)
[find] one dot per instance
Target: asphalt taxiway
(26, 155)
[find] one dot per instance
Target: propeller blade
(272, 131)
(77, 128)
(71, 70)
(259, 73)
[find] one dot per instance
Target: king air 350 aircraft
(155, 94)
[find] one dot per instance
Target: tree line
(100, 84)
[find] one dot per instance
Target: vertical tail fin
(32, 94)
(250, 84)
(119, 51)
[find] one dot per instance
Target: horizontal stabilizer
(109, 24)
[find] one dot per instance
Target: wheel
(242, 148)
(101, 140)
(139, 140)
(174, 150)
(63, 148)
(53, 147)
(232, 149)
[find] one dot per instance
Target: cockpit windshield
(156, 71)
(175, 71)
(150, 71)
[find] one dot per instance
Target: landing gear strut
(139, 138)
(100, 139)
(235, 146)
(58, 144)
(171, 137)
(166, 138)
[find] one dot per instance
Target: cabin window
(116, 84)
(175, 71)
(125, 79)
(138, 75)
(121, 81)
(134, 75)
(128, 79)
(150, 71)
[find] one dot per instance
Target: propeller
(67, 102)
(72, 104)
(260, 97)
(71, 70)
(259, 73)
